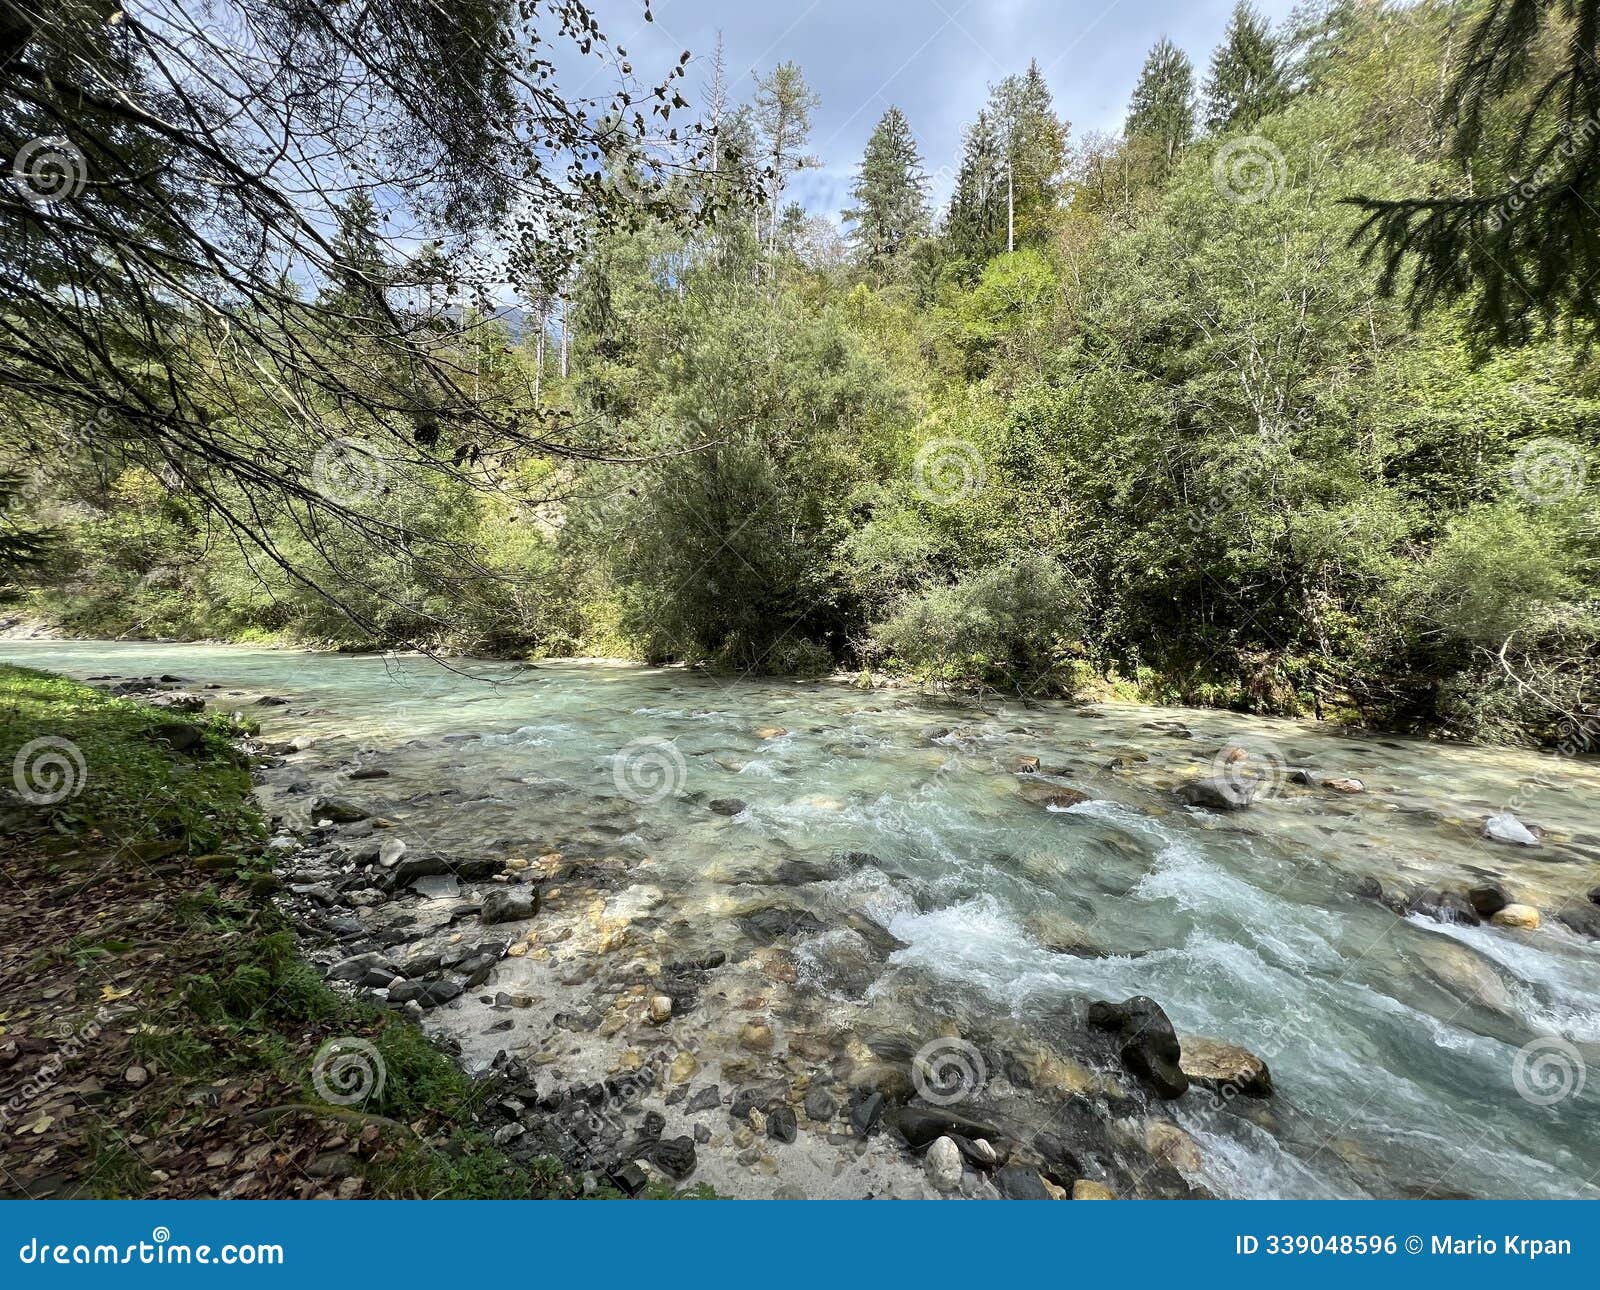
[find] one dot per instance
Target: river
(1409, 1057)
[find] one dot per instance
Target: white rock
(943, 1164)
(660, 1008)
(390, 851)
(1506, 827)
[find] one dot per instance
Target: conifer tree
(890, 192)
(783, 107)
(1247, 80)
(1162, 107)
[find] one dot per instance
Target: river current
(949, 896)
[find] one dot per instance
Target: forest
(1281, 399)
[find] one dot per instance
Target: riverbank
(160, 1034)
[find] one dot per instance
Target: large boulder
(1446, 907)
(339, 810)
(1583, 919)
(778, 921)
(510, 904)
(1149, 1045)
(1224, 1068)
(1216, 793)
(1525, 917)
(1488, 900)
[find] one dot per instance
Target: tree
(1521, 241)
(167, 199)
(1247, 80)
(1011, 173)
(891, 193)
(1162, 107)
(783, 107)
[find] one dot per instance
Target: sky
(934, 59)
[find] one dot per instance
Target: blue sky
(932, 58)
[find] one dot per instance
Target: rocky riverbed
(804, 940)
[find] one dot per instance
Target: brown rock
(1223, 1067)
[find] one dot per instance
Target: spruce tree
(1247, 80)
(890, 192)
(1162, 107)
(975, 218)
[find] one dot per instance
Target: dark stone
(369, 772)
(510, 904)
(675, 1157)
(1218, 794)
(745, 1101)
(1583, 919)
(1446, 907)
(969, 1153)
(777, 921)
(1369, 888)
(707, 1099)
(421, 965)
(725, 806)
(629, 1178)
(702, 1133)
(653, 1126)
(411, 867)
(820, 1105)
(272, 701)
(339, 810)
(500, 1027)
(781, 1124)
(357, 966)
(920, 1125)
(1015, 1182)
(1054, 1151)
(439, 993)
(180, 736)
(866, 1112)
(1149, 1045)
(1488, 900)
(404, 991)
(1594, 896)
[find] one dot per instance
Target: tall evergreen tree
(783, 107)
(890, 192)
(1162, 107)
(1247, 80)
(975, 218)
(1011, 170)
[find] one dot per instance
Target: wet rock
(1224, 1068)
(510, 904)
(921, 1125)
(1507, 828)
(865, 1113)
(1172, 1146)
(272, 701)
(943, 1164)
(1058, 797)
(725, 806)
(778, 921)
(1488, 900)
(1016, 1182)
(675, 1157)
(1446, 907)
(1026, 766)
(1218, 794)
(1525, 917)
(409, 868)
(1351, 786)
(771, 732)
(440, 993)
(781, 1124)
(1149, 1045)
(1583, 919)
(178, 701)
(820, 1106)
(756, 1036)
(356, 967)
(980, 1152)
(338, 809)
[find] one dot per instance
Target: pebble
(943, 1164)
